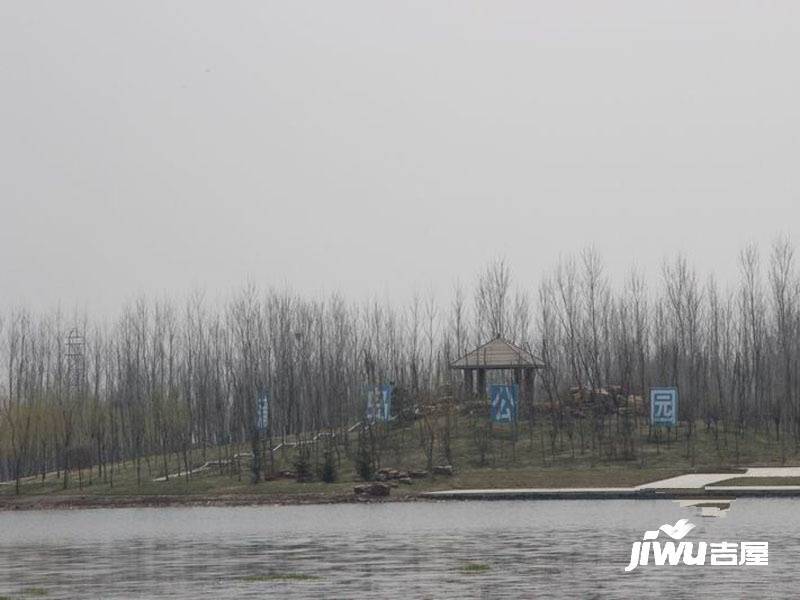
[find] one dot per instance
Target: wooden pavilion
(498, 354)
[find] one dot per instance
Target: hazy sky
(383, 147)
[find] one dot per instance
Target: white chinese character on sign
(502, 407)
(754, 553)
(724, 553)
(663, 407)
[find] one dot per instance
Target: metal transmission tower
(76, 361)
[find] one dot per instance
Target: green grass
(536, 460)
(474, 568)
(738, 481)
(552, 477)
(27, 592)
(280, 577)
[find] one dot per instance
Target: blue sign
(263, 411)
(379, 402)
(504, 402)
(664, 407)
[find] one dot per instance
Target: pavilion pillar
(527, 381)
(527, 389)
(481, 391)
(469, 382)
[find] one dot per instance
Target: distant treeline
(167, 378)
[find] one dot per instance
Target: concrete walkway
(682, 486)
(692, 480)
(701, 480)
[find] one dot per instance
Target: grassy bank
(759, 481)
(497, 458)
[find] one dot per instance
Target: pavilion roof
(498, 354)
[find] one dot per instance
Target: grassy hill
(483, 455)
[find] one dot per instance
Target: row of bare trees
(175, 379)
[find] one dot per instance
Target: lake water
(541, 549)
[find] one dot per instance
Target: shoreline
(33, 502)
(721, 493)
(48, 502)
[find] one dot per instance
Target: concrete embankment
(727, 492)
(690, 485)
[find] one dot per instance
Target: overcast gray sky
(381, 147)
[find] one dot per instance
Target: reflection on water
(707, 507)
(543, 549)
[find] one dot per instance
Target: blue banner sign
(379, 402)
(664, 407)
(504, 402)
(263, 411)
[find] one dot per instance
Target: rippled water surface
(533, 549)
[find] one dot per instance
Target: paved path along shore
(701, 480)
(692, 484)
